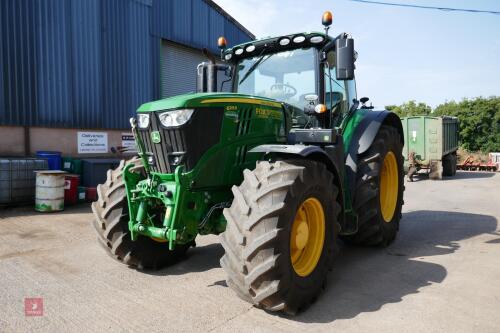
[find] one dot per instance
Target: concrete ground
(442, 274)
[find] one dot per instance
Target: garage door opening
(178, 70)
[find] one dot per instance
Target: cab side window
(351, 91)
(335, 91)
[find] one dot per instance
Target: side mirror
(344, 62)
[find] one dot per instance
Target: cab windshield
(286, 76)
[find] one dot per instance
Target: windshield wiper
(254, 66)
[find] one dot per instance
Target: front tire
(111, 224)
(276, 257)
(379, 190)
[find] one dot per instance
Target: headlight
(299, 39)
(143, 120)
(250, 48)
(175, 118)
(316, 39)
(284, 41)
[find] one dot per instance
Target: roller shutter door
(178, 69)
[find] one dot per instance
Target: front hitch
(144, 194)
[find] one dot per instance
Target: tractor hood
(194, 100)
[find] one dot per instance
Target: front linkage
(166, 207)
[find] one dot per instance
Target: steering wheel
(288, 90)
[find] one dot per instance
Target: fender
(332, 156)
(363, 138)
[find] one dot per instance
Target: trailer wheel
(454, 163)
(379, 190)
(111, 223)
(449, 165)
(281, 233)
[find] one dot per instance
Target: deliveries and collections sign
(92, 142)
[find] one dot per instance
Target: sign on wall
(128, 141)
(92, 142)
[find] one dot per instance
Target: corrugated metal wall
(90, 64)
(194, 23)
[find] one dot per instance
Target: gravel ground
(442, 274)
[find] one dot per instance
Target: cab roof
(276, 44)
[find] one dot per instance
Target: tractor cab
(312, 74)
(304, 71)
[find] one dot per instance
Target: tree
(410, 108)
(479, 122)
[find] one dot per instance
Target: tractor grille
(183, 145)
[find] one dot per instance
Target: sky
(403, 54)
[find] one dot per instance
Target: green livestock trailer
(431, 143)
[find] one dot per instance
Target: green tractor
(280, 167)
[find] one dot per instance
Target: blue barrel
(53, 157)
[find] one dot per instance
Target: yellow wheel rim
(307, 236)
(389, 182)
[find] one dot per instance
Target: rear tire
(111, 223)
(373, 229)
(257, 240)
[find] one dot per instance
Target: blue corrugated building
(90, 63)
